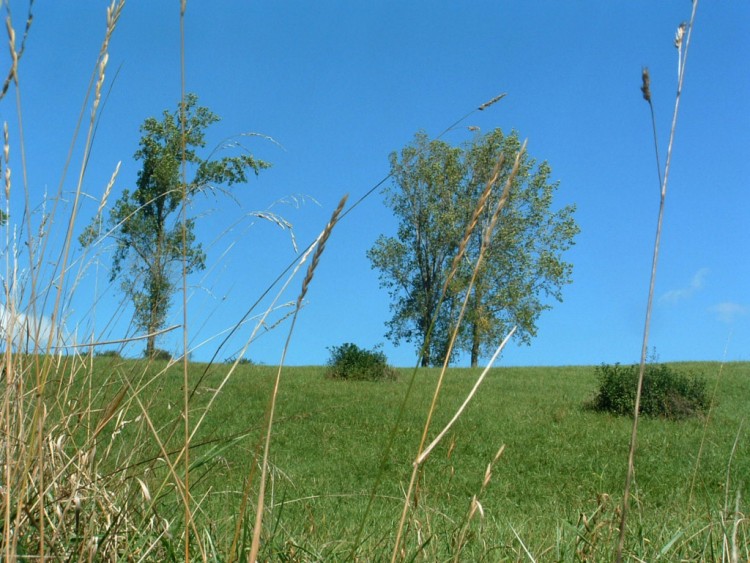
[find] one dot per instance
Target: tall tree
(145, 223)
(435, 190)
(414, 264)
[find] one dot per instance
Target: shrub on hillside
(349, 361)
(665, 393)
(243, 361)
(112, 354)
(159, 354)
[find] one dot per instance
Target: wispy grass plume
(321, 242)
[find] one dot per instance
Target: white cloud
(27, 333)
(696, 284)
(728, 312)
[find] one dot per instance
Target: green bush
(159, 354)
(243, 361)
(349, 361)
(666, 393)
(113, 354)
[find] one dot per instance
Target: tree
(435, 190)
(145, 223)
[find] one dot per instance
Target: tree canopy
(436, 188)
(145, 223)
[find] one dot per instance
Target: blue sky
(340, 85)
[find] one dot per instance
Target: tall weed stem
(682, 59)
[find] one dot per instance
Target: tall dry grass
(72, 487)
(681, 40)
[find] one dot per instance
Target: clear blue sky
(339, 85)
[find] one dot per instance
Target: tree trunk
(476, 316)
(474, 345)
(424, 326)
(150, 346)
(153, 313)
(155, 285)
(425, 360)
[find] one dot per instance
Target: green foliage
(242, 361)
(158, 354)
(665, 393)
(150, 238)
(113, 354)
(436, 189)
(349, 361)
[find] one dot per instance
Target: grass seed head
(646, 84)
(99, 83)
(12, 44)
(476, 505)
(498, 454)
(487, 475)
(108, 189)
(321, 247)
(6, 157)
(496, 99)
(680, 34)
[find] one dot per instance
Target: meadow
(553, 494)
(110, 459)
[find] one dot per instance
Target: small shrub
(112, 354)
(159, 354)
(243, 361)
(349, 361)
(665, 393)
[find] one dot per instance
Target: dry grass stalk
(183, 219)
(504, 197)
(682, 58)
(646, 90)
(729, 468)
(37, 477)
(65, 502)
(318, 246)
(14, 56)
(176, 480)
(43, 371)
(108, 189)
(6, 157)
(319, 251)
(706, 422)
(494, 100)
(113, 13)
(423, 456)
(261, 322)
(475, 506)
(322, 239)
(486, 237)
(474, 221)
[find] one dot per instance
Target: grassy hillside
(553, 494)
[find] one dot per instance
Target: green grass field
(554, 494)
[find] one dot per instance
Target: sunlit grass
(561, 462)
